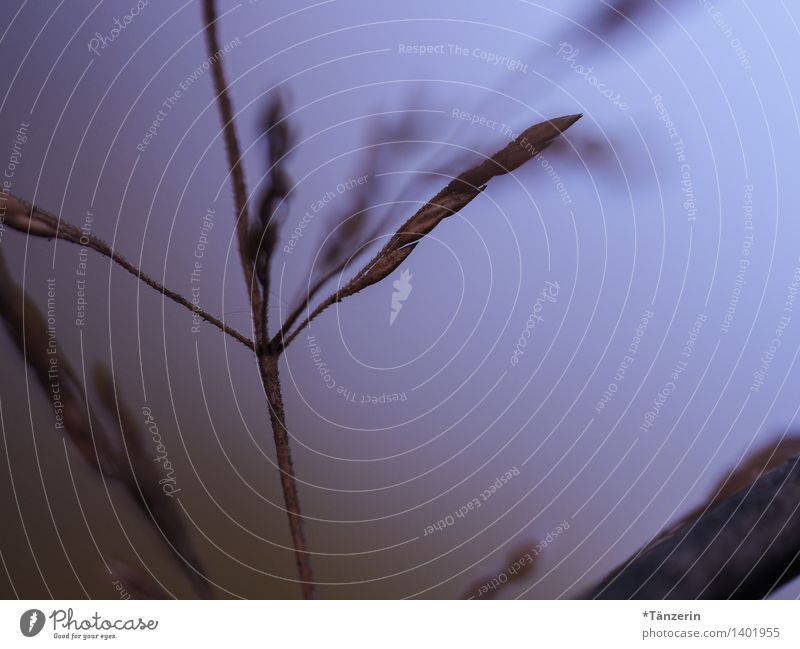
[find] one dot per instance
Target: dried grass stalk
(454, 197)
(263, 232)
(231, 146)
(352, 235)
(257, 268)
(126, 463)
(33, 220)
(141, 480)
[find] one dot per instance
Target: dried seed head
(23, 217)
(528, 144)
(458, 194)
(357, 224)
(263, 231)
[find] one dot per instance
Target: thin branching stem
(312, 292)
(268, 365)
(231, 148)
(33, 220)
(267, 360)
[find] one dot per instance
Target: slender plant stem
(267, 361)
(31, 219)
(333, 299)
(179, 299)
(231, 145)
(277, 340)
(268, 366)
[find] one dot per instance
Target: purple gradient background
(374, 476)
